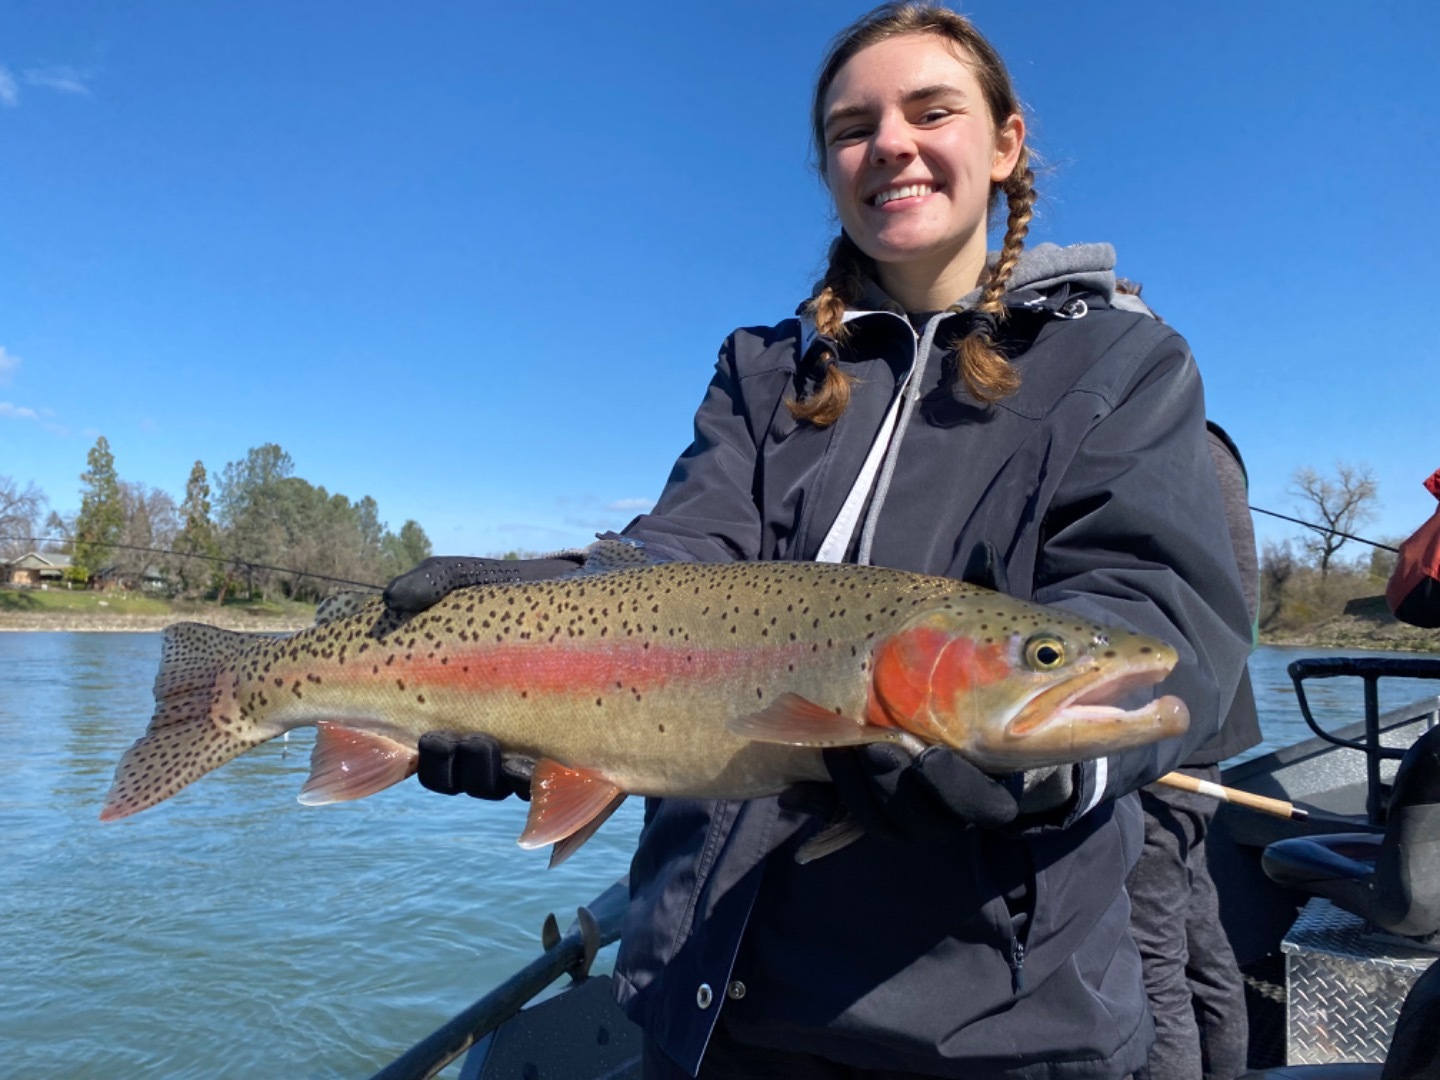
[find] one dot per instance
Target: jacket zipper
(1017, 965)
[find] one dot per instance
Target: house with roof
(35, 568)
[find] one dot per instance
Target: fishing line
(1324, 529)
(244, 564)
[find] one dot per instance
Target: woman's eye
(933, 116)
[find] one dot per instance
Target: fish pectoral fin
(797, 721)
(566, 807)
(348, 763)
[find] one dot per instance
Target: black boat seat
(1393, 881)
(1414, 1047)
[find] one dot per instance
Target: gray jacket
(1001, 955)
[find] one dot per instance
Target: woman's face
(911, 153)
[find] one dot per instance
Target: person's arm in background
(1413, 592)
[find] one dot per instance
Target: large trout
(710, 681)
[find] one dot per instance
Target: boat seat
(1391, 881)
(1414, 1049)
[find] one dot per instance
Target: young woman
(932, 408)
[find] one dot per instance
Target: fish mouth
(1086, 699)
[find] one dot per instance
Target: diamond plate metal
(1344, 987)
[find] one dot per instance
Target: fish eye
(1044, 652)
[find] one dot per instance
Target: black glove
(924, 799)
(474, 765)
(931, 797)
(424, 586)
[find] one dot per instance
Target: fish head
(1014, 685)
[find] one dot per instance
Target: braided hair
(983, 368)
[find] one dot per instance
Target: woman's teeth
(911, 191)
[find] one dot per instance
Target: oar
(1278, 807)
(597, 925)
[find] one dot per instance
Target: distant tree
(1338, 504)
(250, 511)
(19, 513)
(61, 531)
(102, 513)
(1277, 570)
(406, 550)
(151, 524)
(197, 536)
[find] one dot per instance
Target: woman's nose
(893, 141)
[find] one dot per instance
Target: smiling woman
(933, 408)
(916, 145)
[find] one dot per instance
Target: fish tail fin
(188, 736)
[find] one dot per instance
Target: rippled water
(231, 932)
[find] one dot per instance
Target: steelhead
(681, 679)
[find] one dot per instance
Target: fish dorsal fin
(796, 721)
(608, 556)
(340, 605)
(567, 804)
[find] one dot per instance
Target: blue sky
(474, 260)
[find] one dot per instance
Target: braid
(827, 309)
(987, 374)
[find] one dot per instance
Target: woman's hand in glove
(924, 799)
(455, 764)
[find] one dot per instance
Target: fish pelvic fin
(188, 735)
(347, 763)
(796, 721)
(832, 838)
(567, 806)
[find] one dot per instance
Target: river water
(233, 933)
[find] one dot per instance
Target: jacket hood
(1040, 271)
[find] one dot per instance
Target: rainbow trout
(682, 679)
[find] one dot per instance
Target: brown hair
(987, 374)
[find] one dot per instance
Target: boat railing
(1370, 669)
(596, 925)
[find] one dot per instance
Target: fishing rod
(1324, 529)
(248, 565)
(245, 564)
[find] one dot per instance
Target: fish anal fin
(567, 846)
(348, 763)
(797, 721)
(566, 803)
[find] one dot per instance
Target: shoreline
(80, 623)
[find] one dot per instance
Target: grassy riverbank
(81, 610)
(1366, 624)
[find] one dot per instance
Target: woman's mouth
(894, 194)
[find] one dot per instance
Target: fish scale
(697, 680)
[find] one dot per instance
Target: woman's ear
(1009, 140)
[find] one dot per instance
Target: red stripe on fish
(545, 669)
